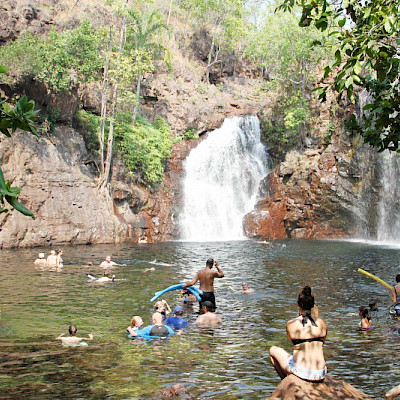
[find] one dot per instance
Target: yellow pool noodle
(375, 277)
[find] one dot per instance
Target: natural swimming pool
(228, 363)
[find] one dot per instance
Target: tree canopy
(367, 57)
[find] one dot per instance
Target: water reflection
(227, 363)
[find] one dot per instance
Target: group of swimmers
(53, 262)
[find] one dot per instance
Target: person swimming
(41, 261)
(133, 329)
(246, 289)
(365, 323)
(73, 340)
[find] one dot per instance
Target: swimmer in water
(188, 298)
(136, 324)
(41, 261)
(104, 279)
(163, 308)
(52, 261)
(208, 319)
(73, 340)
(365, 323)
(245, 288)
(107, 264)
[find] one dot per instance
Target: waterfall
(376, 211)
(221, 183)
(388, 225)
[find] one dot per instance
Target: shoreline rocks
(294, 388)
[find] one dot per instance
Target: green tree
(225, 19)
(142, 33)
(20, 115)
(366, 39)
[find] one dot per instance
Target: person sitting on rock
(308, 334)
(142, 239)
(176, 322)
(41, 261)
(73, 340)
(393, 393)
(208, 319)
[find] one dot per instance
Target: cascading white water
(388, 225)
(222, 178)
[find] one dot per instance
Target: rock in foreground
(294, 388)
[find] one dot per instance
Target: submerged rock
(294, 388)
(174, 391)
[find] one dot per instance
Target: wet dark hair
(398, 278)
(210, 262)
(306, 299)
(364, 311)
(373, 306)
(208, 305)
(72, 330)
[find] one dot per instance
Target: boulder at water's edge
(294, 388)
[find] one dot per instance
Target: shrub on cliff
(60, 59)
(144, 147)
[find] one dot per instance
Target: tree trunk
(137, 101)
(114, 99)
(209, 57)
(104, 96)
(169, 11)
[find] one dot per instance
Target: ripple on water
(227, 363)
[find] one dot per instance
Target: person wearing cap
(41, 261)
(208, 319)
(206, 277)
(177, 322)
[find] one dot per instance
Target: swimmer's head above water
(398, 278)
(72, 329)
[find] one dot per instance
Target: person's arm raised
(220, 273)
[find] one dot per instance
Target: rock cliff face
(312, 194)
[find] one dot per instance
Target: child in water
(136, 324)
(365, 323)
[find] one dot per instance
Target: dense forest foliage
(265, 36)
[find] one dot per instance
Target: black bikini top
(314, 339)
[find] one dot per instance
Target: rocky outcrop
(294, 388)
(314, 194)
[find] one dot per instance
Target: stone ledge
(294, 388)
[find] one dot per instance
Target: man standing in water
(206, 277)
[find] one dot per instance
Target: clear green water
(228, 363)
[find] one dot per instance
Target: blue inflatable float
(192, 289)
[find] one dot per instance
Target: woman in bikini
(365, 323)
(307, 333)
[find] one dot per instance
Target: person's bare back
(206, 276)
